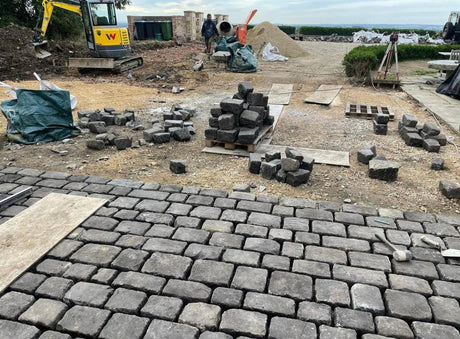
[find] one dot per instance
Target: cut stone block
(227, 136)
(293, 154)
(307, 164)
(177, 166)
(449, 189)
(272, 155)
(431, 145)
(409, 120)
(120, 120)
(255, 161)
(161, 138)
(281, 176)
(233, 106)
(380, 129)
(290, 165)
(441, 138)
(210, 133)
(148, 133)
(123, 143)
(383, 170)
(214, 122)
(182, 134)
(97, 127)
(95, 144)
(244, 88)
(248, 135)
(431, 129)
(413, 139)
(381, 118)
(298, 177)
(250, 119)
(365, 155)
(226, 121)
(216, 112)
(255, 99)
(268, 170)
(437, 164)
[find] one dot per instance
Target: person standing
(209, 31)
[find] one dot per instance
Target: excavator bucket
(40, 49)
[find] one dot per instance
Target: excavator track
(128, 63)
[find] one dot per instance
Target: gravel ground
(301, 125)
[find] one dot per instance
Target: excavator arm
(46, 14)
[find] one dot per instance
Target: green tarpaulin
(242, 58)
(39, 116)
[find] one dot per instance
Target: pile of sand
(269, 33)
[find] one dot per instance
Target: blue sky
(429, 12)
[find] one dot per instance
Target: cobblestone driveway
(180, 262)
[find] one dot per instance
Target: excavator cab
(108, 43)
(103, 37)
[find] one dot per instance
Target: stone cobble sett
(166, 261)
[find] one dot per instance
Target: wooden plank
(327, 157)
(324, 95)
(280, 94)
(28, 236)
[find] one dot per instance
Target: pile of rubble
(372, 37)
(379, 167)
(427, 135)
(176, 125)
(381, 124)
(240, 118)
(294, 170)
(325, 38)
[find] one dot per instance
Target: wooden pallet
(367, 111)
(232, 145)
(387, 82)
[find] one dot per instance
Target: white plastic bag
(48, 86)
(11, 91)
(271, 53)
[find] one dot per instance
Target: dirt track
(301, 125)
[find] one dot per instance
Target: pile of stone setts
(240, 118)
(379, 167)
(177, 125)
(294, 170)
(427, 135)
(381, 124)
(97, 122)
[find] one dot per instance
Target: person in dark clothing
(209, 31)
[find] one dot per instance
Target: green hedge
(362, 59)
(287, 29)
(348, 31)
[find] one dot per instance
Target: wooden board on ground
(324, 95)
(28, 236)
(334, 158)
(280, 94)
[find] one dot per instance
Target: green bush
(287, 29)
(362, 59)
(348, 31)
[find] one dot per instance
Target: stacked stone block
(239, 119)
(381, 124)
(294, 169)
(427, 135)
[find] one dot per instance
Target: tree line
(63, 24)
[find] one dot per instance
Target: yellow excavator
(108, 43)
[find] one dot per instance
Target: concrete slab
(442, 106)
(28, 236)
(280, 94)
(324, 95)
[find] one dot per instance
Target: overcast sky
(428, 12)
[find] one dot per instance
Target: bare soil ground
(303, 125)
